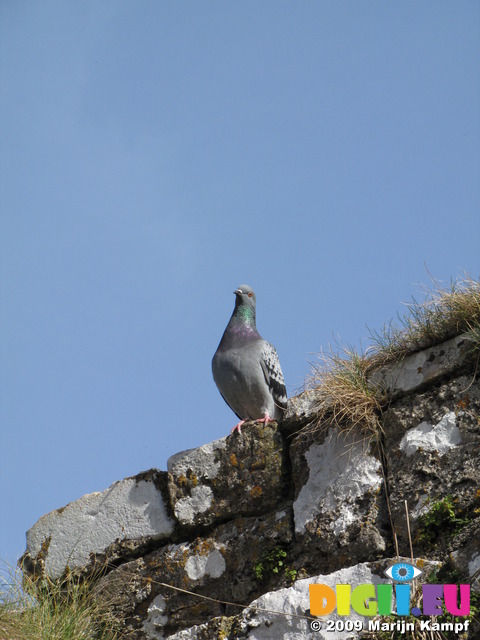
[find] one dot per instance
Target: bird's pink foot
(238, 427)
(265, 419)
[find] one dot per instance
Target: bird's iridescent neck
(241, 326)
(245, 315)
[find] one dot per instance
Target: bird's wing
(273, 374)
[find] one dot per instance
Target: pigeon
(246, 368)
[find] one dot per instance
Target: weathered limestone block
(432, 448)
(239, 475)
(418, 369)
(221, 565)
(301, 410)
(284, 613)
(100, 527)
(339, 508)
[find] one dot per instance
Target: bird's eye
(402, 572)
(250, 294)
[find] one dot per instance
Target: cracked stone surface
(247, 470)
(339, 508)
(432, 447)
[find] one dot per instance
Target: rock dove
(246, 368)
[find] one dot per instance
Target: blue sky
(155, 155)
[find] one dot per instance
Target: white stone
(422, 506)
(418, 368)
(410, 371)
(199, 500)
(266, 625)
(440, 437)
(201, 460)
(340, 472)
(126, 510)
(267, 618)
(211, 564)
(155, 618)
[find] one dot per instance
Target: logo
(378, 600)
(403, 572)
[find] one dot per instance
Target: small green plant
(440, 520)
(291, 574)
(273, 563)
(259, 569)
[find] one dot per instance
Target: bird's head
(245, 296)
(245, 303)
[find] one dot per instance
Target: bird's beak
(238, 292)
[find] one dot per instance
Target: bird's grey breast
(236, 364)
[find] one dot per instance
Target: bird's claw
(265, 420)
(238, 427)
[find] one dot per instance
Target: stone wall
(253, 519)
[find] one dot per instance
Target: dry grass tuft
(51, 611)
(347, 400)
(444, 313)
(345, 397)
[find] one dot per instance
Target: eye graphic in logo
(403, 572)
